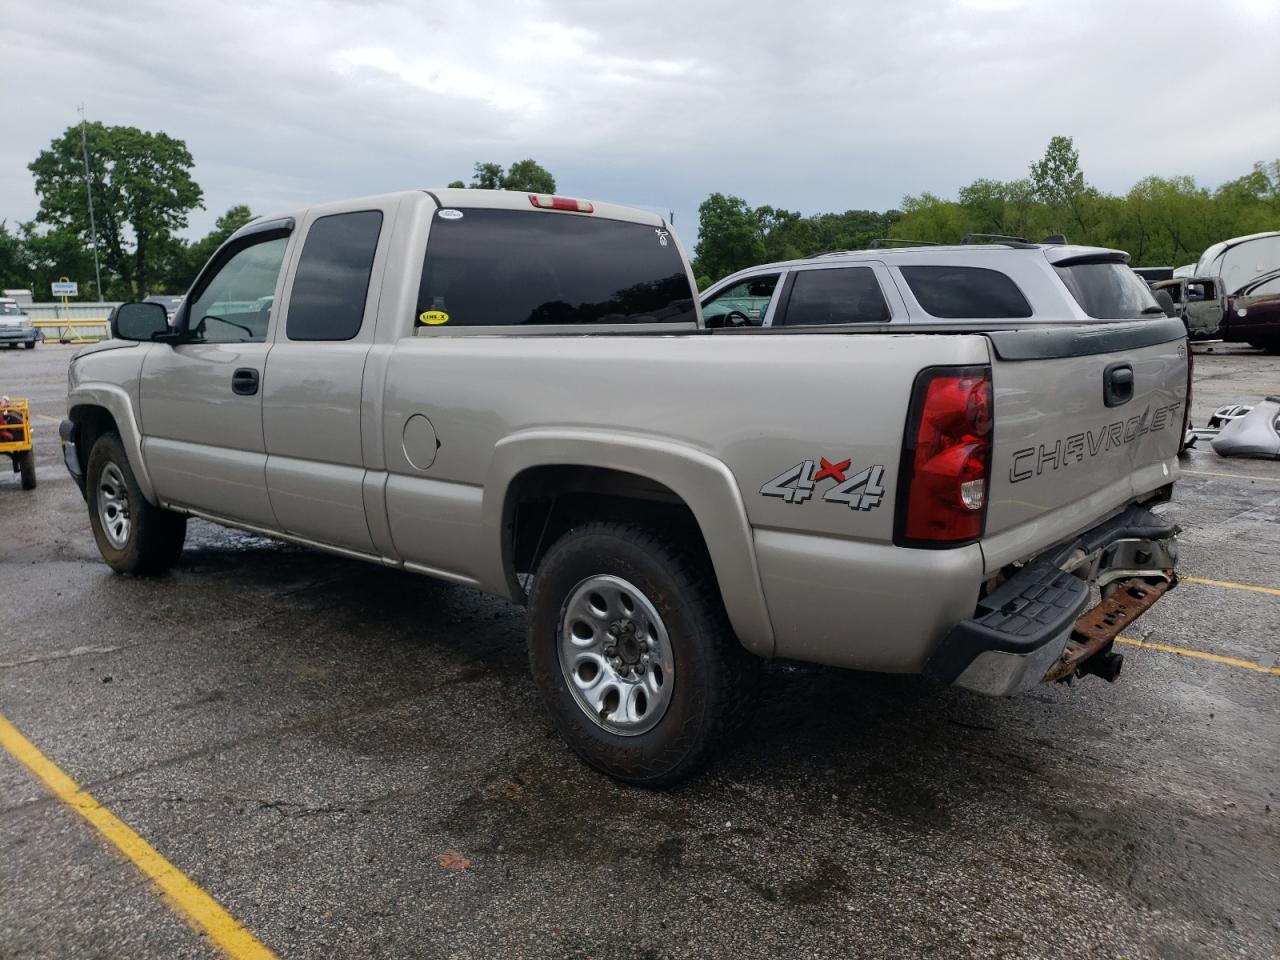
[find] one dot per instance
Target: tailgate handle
(1117, 384)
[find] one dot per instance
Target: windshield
(512, 267)
(1109, 291)
(9, 310)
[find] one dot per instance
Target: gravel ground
(353, 762)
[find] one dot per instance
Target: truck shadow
(841, 764)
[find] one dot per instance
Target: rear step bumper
(1026, 630)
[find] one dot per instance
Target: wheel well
(91, 423)
(543, 503)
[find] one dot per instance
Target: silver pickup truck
(928, 460)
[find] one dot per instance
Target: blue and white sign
(65, 288)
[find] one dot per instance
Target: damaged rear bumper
(1034, 627)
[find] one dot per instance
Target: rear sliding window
(1109, 290)
(516, 268)
(966, 293)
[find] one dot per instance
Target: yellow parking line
(1231, 476)
(1230, 585)
(1199, 655)
(179, 892)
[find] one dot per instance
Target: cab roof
(464, 199)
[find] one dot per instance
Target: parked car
(1154, 275)
(16, 327)
(1198, 302)
(910, 461)
(1244, 272)
(1253, 313)
(169, 302)
(1237, 262)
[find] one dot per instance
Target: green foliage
(528, 175)
(50, 255)
(487, 176)
(729, 236)
(733, 235)
(524, 175)
(13, 272)
(185, 260)
(142, 191)
(1160, 221)
(457, 185)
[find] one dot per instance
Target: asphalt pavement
(353, 762)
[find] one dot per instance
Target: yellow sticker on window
(433, 317)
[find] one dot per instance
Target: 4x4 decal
(796, 484)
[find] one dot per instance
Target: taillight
(946, 458)
(547, 202)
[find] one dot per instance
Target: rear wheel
(27, 469)
(633, 654)
(133, 535)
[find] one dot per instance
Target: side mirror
(139, 321)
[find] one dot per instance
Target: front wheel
(133, 535)
(31, 344)
(633, 654)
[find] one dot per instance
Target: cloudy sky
(807, 106)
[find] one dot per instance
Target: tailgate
(1086, 419)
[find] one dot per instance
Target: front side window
(741, 305)
(1107, 290)
(517, 268)
(235, 303)
(332, 280)
(842, 295)
(969, 293)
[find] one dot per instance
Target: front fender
(704, 483)
(116, 401)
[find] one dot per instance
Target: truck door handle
(1117, 384)
(245, 382)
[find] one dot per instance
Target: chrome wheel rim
(113, 506)
(615, 655)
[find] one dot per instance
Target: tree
(142, 192)
(488, 176)
(1058, 182)
(12, 269)
(457, 185)
(527, 176)
(729, 236)
(51, 255)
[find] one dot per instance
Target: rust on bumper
(1096, 629)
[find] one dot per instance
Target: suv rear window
(511, 268)
(966, 293)
(1108, 290)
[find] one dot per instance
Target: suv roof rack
(879, 242)
(1019, 242)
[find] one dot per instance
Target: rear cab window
(1109, 290)
(512, 268)
(966, 293)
